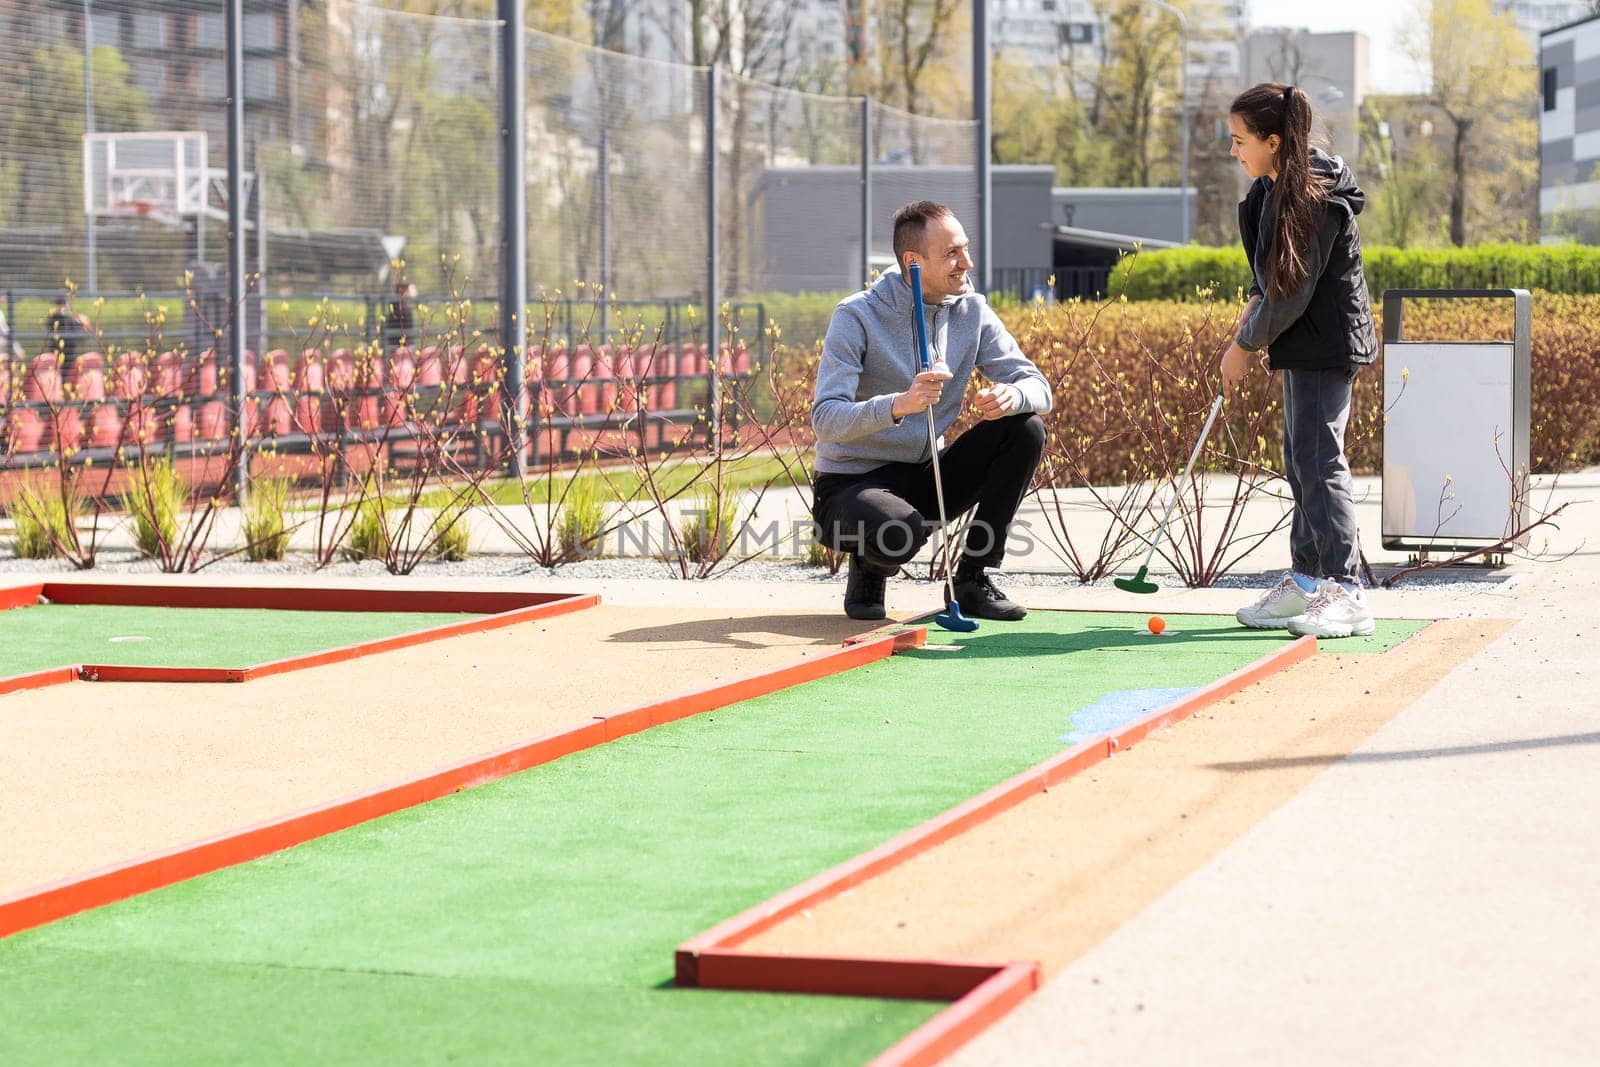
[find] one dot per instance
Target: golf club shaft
(938, 494)
(933, 434)
(1205, 431)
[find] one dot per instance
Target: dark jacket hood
(1343, 192)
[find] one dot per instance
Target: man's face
(945, 260)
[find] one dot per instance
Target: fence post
(980, 112)
(514, 229)
(237, 316)
(866, 190)
(603, 166)
(713, 290)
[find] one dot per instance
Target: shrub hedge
(1106, 362)
(1181, 273)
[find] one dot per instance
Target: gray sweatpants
(1323, 536)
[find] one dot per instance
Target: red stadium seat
(87, 378)
(169, 375)
(309, 376)
(105, 426)
(24, 431)
(43, 382)
(211, 422)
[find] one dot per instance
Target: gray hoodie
(870, 354)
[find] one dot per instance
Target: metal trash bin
(1455, 438)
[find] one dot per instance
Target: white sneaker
(1334, 612)
(1282, 602)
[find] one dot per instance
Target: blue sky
(1380, 20)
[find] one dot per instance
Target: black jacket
(1327, 322)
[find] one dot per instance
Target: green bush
(582, 519)
(266, 534)
(39, 522)
(1181, 273)
(705, 538)
(155, 497)
(453, 542)
(367, 538)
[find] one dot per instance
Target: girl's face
(1258, 157)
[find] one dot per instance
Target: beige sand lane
(1054, 876)
(100, 774)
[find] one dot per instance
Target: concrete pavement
(1429, 899)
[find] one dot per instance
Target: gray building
(805, 225)
(1332, 69)
(1533, 17)
(1569, 132)
(805, 222)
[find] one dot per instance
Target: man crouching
(874, 494)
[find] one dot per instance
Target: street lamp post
(1183, 111)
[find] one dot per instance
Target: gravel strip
(634, 569)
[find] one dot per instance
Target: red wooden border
(964, 1019)
(713, 957)
(20, 596)
(43, 904)
(497, 608)
(38, 680)
(291, 598)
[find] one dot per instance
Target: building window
(260, 79)
(1076, 33)
(107, 29)
(1549, 88)
(213, 79)
(150, 30)
(261, 31)
(150, 75)
(210, 31)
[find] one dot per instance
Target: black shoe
(863, 592)
(980, 599)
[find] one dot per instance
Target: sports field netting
(534, 919)
(62, 635)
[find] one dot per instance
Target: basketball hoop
(141, 208)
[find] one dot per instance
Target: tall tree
(1484, 89)
(1037, 118)
(1141, 58)
(41, 128)
(1405, 179)
(917, 41)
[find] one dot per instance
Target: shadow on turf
(738, 631)
(1010, 644)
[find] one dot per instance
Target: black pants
(886, 515)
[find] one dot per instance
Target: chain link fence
(373, 200)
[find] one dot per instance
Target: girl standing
(1310, 316)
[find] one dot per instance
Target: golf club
(1138, 583)
(950, 618)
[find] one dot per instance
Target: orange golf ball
(1157, 624)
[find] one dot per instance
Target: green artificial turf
(62, 635)
(533, 920)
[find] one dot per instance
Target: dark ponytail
(1298, 194)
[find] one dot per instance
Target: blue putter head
(951, 619)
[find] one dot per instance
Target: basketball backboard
(161, 175)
